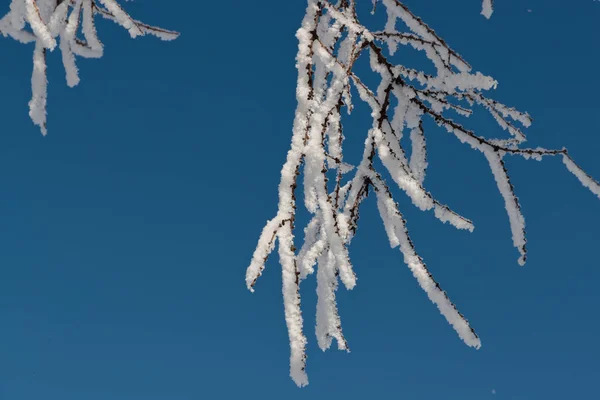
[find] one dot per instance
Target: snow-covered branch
(331, 40)
(71, 22)
(487, 8)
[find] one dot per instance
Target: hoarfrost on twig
(487, 8)
(50, 20)
(331, 40)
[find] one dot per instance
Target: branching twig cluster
(70, 25)
(331, 40)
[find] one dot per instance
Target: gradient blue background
(125, 234)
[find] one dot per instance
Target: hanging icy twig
(487, 8)
(398, 235)
(517, 222)
(39, 85)
(63, 19)
(331, 40)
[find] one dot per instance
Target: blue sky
(125, 233)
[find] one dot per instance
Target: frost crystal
(331, 40)
(44, 21)
(487, 8)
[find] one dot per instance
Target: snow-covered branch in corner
(331, 40)
(70, 25)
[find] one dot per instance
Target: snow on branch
(331, 40)
(42, 22)
(487, 8)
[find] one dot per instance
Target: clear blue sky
(125, 234)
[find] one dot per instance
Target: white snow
(39, 87)
(398, 234)
(331, 39)
(487, 8)
(50, 21)
(517, 221)
(583, 177)
(38, 25)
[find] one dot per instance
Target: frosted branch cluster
(69, 25)
(331, 40)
